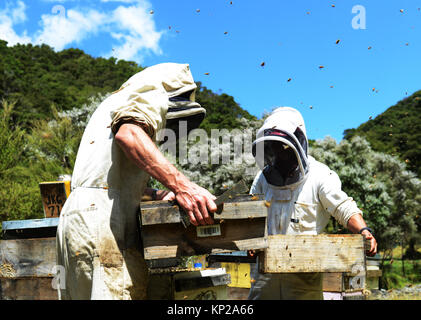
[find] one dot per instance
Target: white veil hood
(284, 124)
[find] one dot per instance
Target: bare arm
(138, 147)
(355, 224)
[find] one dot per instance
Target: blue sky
(225, 43)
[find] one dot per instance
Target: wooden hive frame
(242, 223)
(314, 253)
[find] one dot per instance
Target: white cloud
(137, 32)
(59, 30)
(125, 1)
(18, 13)
(9, 17)
(62, 1)
(130, 25)
(59, 1)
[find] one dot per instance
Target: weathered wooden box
(207, 284)
(28, 229)
(26, 269)
(54, 194)
(314, 253)
(241, 225)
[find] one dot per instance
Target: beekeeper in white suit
(303, 194)
(98, 233)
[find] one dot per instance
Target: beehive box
(54, 194)
(197, 284)
(314, 253)
(240, 225)
(26, 269)
(240, 274)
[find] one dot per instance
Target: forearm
(356, 223)
(140, 149)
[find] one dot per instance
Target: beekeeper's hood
(167, 93)
(281, 147)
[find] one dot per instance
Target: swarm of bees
(320, 67)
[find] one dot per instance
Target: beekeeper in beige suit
(98, 233)
(303, 194)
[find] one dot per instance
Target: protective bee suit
(303, 194)
(98, 238)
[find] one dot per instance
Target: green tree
(11, 139)
(397, 131)
(227, 158)
(387, 193)
(37, 77)
(53, 144)
(18, 195)
(221, 110)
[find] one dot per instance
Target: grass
(395, 277)
(398, 273)
(397, 296)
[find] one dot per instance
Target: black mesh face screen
(302, 139)
(279, 154)
(193, 122)
(180, 104)
(286, 136)
(182, 97)
(273, 176)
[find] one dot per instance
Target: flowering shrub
(388, 194)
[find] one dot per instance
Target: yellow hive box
(54, 194)
(240, 274)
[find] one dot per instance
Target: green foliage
(37, 77)
(11, 139)
(18, 192)
(393, 277)
(215, 172)
(397, 131)
(221, 110)
(55, 141)
(387, 193)
(43, 154)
